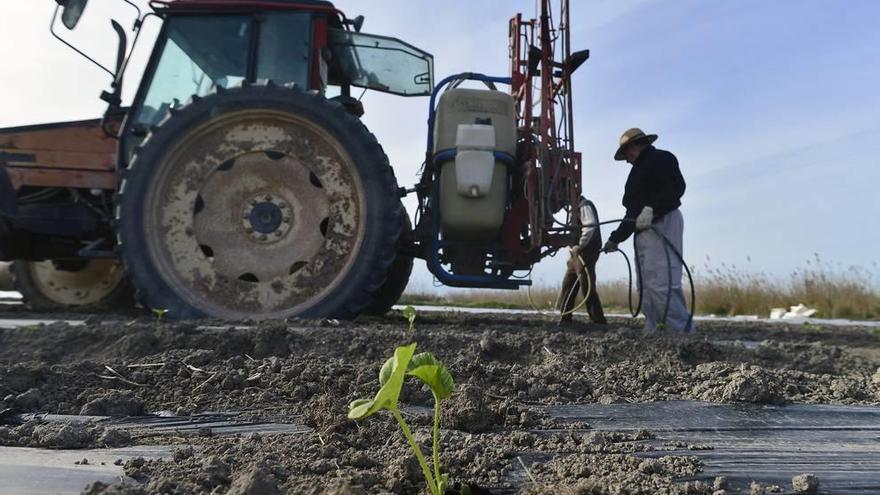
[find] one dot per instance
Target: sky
(772, 109)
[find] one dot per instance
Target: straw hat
(632, 136)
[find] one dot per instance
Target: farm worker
(651, 197)
(582, 267)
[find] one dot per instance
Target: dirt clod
(254, 481)
(30, 400)
(113, 404)
(805, 483)
(467, 411)
(753, 384)
(114, 437)
(101, 488)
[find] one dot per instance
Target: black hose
(629, 295)
(668, 279)
(667, 245)
(687, 270)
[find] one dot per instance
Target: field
(833, 290)
(501, 429)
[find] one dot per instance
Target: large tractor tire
(397, 278)
(54, 285)
(258, 202)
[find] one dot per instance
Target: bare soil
(505, 368)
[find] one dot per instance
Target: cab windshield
(202, 51)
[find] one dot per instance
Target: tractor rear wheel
(397, 279)
(258, 202)
(55, 285)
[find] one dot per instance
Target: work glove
(645, 219)
(609, 246)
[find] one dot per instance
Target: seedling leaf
(386, 370)
(427, 368)
(358, 408)
(443, 483)
(410, 313)
(159, 313)
(392, 383)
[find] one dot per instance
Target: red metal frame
(319, 42)
(171, 5)
(552, 166)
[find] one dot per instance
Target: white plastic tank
(474, 185)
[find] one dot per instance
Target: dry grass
(834, 290)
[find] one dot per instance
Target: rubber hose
(667, 246)
(574, 286)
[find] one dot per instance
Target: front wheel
(259, 202)
(398, 277)
(67, 284)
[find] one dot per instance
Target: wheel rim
(90, 284)
(257, 213)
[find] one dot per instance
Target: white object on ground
(10, 294)
(799, 311)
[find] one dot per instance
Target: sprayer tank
(474, 124)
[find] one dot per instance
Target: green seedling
(434, 374)
(409, 313)
(159, 313)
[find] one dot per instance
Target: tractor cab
(205, 44)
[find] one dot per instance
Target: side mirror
(357, 23)
(71, 11)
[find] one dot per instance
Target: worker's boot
(566, 321)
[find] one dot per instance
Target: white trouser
(655, 273)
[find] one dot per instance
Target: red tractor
(233, 187)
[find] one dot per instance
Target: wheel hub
(272, 188)
(266, 218)
(88, 284)
(257, 213)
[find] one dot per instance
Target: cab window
(198, 53)
(380, 63)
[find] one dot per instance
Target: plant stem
(437, 438)
(426, 471)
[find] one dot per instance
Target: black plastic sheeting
(768, 444)
(213, 423)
